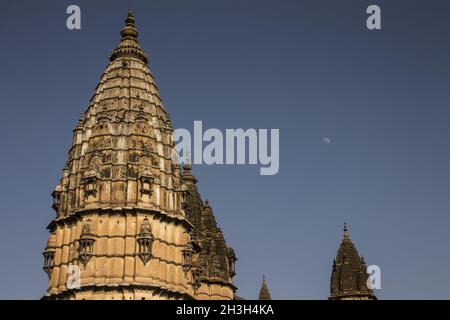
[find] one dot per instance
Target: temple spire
(264, 293)
(126, 120)
(348, 273)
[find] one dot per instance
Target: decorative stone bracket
(231, 258)
(49, 260)
(145, 242)
(86, 244)
(56, 194)
(187, 257)
(195, 279)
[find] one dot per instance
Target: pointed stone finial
(346, 233)
(129, 31)
(187, 174)
(207, 206)
(130, 17)
(79, 125)
(129, 44)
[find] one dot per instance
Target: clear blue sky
(309, 68)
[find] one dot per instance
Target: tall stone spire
(121, 184)
(349, 274)
(264, 293)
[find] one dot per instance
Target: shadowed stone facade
(126, 214)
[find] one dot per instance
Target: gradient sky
(309, 68)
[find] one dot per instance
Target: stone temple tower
(264, 293)
(349, 274)
(129, 222)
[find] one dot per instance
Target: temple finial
(346, 233)
(129, 44)
(129, 31)
(130, 14)
(187, 170)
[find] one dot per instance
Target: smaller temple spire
(187, 174)
(264, 293)
(348, 273)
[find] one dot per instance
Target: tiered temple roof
(349, 273)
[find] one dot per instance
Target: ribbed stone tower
(120, 217)
(349, 273)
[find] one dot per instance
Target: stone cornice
(119, 211)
